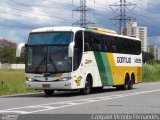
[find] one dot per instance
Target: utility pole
(122, 18)
(83, 9)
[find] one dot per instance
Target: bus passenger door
(77, 60)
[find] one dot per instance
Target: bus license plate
(46, 86)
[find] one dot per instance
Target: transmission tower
(122, 18)
(83, 9)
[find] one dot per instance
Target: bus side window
(97, 42)
(126, 46)
(122, 44)
(97, 47)
(133, 47)
(113, 45)
(105, 45)
(102, 42)
(88, 41)
(108, 43)
(138, 46)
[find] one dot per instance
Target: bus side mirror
(20, 49)
(70, 49)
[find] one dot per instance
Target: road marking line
(48, 107)
(16, 95)
(72, 103)
(21, 112)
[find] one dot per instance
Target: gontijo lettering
(123, 60)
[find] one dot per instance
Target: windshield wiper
(52, 63)
(36, 70)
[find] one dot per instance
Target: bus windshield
(48, 52)
(44, 38)
(48, 59)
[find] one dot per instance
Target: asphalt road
(143, 99)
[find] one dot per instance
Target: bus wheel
(88, 87)
(49, 92)
(127, 82)
(130, 86)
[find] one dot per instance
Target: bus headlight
(65, 78)
(29, 79)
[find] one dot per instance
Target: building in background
(155, 51)
(133, 30)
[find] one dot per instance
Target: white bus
(74, 58)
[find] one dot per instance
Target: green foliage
(151, 72)
(147, 57)
(153, 62)
(13, 82)
(8, 52)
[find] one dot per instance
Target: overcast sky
(19, 17)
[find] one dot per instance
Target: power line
(150, 11)
(83, 9)
(16, 27)
(122, 18)
(24, 5)
(22, 26)
(46, 14)
(150, 20)
(23, 15)
(102, 5)
(143, 7)
(150, 3)
(12, 21)
(25, 11)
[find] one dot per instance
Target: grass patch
(12, 82)
(151, 72)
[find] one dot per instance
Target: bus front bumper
(59, 85)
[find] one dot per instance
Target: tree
(7, 51)
(147, 57)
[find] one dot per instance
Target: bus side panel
(119, 71)
(116, 72)
(91, 68)
(104, 68)
(105, 71)
(88, 66)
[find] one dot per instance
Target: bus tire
(126, 85)
(130, 86)
(127, 82)
(88, 87)
(49, 92)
